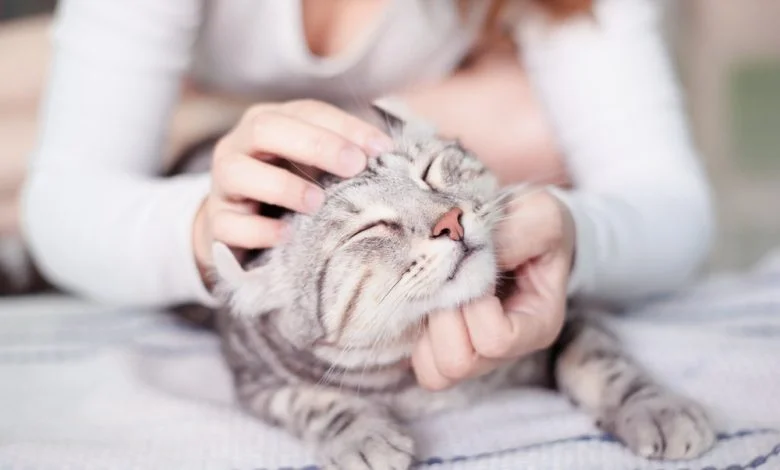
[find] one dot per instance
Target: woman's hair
(563, 8)
(500, 9)
(503, 13)
(558, 9)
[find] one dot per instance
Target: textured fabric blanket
(87, 387)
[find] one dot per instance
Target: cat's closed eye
(426, 170)
(378, 224)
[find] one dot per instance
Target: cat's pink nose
(449, 225)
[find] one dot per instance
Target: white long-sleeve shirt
(99, 223)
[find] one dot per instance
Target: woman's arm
(641, 205)
(640, 211)
(96, 220)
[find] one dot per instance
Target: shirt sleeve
(96, 218)
(641, 203)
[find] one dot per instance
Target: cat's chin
(476, 278)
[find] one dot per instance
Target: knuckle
(279, 187)
(317, 144)
(455, 366)
(253, 112)
(259, 124)
(496, 346)
(328, 148)
(302, 106)
(221, 150)
(227, 169)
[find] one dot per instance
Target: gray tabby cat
(318, 330)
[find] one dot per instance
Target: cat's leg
(593, 370)
(346, 432)
(416, 402)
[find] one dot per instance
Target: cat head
(409, 235)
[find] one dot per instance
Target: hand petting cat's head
(409, 235)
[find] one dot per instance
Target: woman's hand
(309, 133)
(536, 241)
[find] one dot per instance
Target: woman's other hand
(310, 133)
(536, 242)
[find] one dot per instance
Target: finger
(372, 140)
(485, 365)
(247, 231)
(243, 177)
(528, 321)
(541, 285)
(424, 366)
(301, 142)
(489, 328)
(453, 354)
(537, 329)
(532, 228)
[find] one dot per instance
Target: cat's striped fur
(318, 330)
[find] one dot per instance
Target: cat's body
(318, 330)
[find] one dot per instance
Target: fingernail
(313, 199)
(380, 145)
(352, 161)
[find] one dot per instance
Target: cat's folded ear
(248, 292)
(232, 279)
(227, 267)
(400, 121)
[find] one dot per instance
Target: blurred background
(728, 57)
(728, 54)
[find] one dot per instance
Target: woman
(636, 221)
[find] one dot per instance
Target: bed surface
(90, 387)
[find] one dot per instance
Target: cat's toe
(663, 427)
(382, 446)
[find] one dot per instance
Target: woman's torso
(259, 48)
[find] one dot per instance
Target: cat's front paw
(662, 427)
(366, 442)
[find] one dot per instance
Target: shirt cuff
(188, 277)
(585, 249)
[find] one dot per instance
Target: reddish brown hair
(504, 12)
(564, 8)
(558, 9)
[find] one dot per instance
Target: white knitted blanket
(86, 387)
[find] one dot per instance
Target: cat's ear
(227, 267)
(392, 122)
(248, 292)
(400, 121)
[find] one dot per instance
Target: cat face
(408, 236)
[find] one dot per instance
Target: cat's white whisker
(320, 185)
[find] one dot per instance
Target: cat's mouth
(466, 253)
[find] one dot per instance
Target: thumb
(531, 228)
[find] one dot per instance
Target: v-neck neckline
(338, 63)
